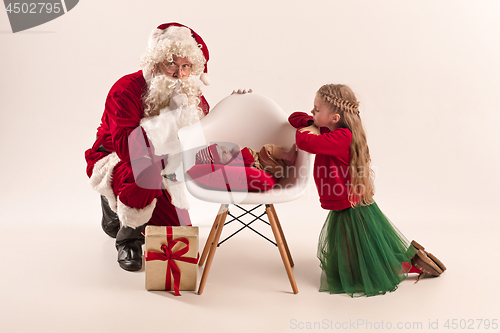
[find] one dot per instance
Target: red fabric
(169, 256)
(247, 156)
(232, 178)
(132, 194)
(167, 214)
(120, 126)
(300, 119)
(407, 267)
(331, 165)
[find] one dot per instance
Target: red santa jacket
(123, 112)
(331, 165)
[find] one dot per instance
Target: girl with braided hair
(360, 251)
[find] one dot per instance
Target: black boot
(129, 245)
(110, 222)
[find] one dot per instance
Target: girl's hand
(313, 129)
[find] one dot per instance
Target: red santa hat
(208, 155)
(193, 46)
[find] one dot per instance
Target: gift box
(171, 255)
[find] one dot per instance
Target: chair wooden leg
(281, 248)
(213, 246)
(282, 235)
(210, 238)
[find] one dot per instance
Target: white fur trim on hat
(205, 79)
(102, 176)
(135, 217)
(173, 33)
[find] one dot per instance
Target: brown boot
(426, 262)
(430, 255)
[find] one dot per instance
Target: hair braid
(342, 104)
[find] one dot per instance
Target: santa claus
(136, 153)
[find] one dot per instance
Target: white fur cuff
(135, 217)
(101, 178)
(177, 191)
(162, 132)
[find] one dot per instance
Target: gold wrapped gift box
(171, 256)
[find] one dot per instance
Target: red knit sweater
(331, 165)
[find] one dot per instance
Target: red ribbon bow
(169, 256)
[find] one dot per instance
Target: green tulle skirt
(361, 253)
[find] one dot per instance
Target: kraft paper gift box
(171, 255)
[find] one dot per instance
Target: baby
(271, 158)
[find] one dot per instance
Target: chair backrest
(250, 120)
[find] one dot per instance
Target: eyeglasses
(172, 67)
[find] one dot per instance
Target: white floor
(62, 276)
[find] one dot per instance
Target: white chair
(250, 120)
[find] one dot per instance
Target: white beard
(159, 95)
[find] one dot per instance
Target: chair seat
(287, 189)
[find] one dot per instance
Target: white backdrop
(426, 72)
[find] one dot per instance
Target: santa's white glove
(178, 99)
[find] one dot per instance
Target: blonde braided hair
(342, 101)
(342, 104)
